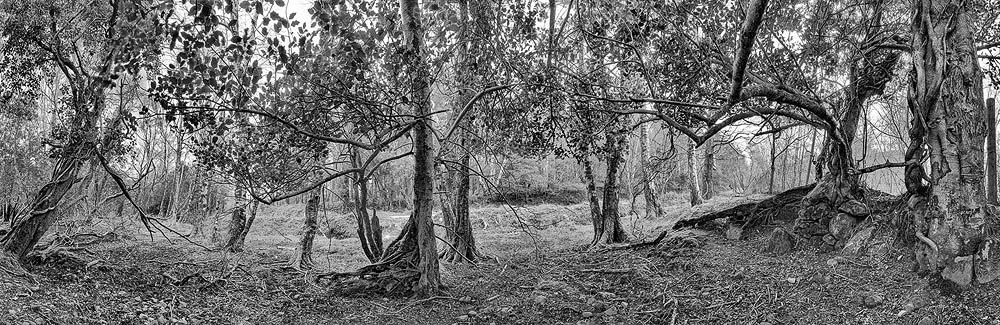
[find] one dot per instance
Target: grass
(545, 277)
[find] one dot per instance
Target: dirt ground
(541, 273)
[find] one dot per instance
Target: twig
(613, 271)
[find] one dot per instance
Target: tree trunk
(416, 247)
(88, 105)
(692, 176)
(770, 174)
(595, 203)
(608, 226)
(946, 100)
(708, 170)
(653, 208)
(178, 176)
(369, 229)
(991, 151)
(239, 225)
(455, 203)
(303, 254)
(837, 194)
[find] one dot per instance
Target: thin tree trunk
(178, 175)
(770, 174)
(653, 208)
(595, 203)
(369, 229)
(708, 170)
(692, 176)
(991, 151)
(946, 100)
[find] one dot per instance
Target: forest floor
(548, 277)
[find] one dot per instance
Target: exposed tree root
(395, 272)
(783, 207)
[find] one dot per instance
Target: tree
(946, 102)
(121, 46)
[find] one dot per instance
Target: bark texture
(946, 101)
(429, 281)
(303, 254)
(88, 104)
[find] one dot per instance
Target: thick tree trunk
(429, 280)
(608, 228)
(946, 100)
(240, 223)
(303, 254)
(692, 175)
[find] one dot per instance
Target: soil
(541, 273)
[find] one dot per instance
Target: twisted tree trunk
(88, 104)
(946, 100)
(832, 209)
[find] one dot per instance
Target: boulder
(959, 271)
(780, 242)
(734, 232)
(855, 208)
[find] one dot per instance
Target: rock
(540, 299)
(926, 321)
(596, 305)
(842, 226)
(988, 262)
(780, 242)
(874, 300)
(611, 311)
(959, 271)
(552, 285)
(855, 208)
(792, 280)
(857, 243)
(734, 232)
